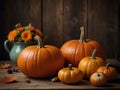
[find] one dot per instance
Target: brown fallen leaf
(7, 79)
(54, 79)
(4, 66)
(15, 69)
(28, 81)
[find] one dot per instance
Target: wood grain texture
(53, 22)
(75, 16)
(41, 83)
(103, 24)
(60, 20)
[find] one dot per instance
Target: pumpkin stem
(107, 65)
(70, 66)
(93, 54)
(82, 35)
(40, 42)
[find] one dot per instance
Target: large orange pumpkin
(75, 50)
(40, 61)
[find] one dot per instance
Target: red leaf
(8, 79)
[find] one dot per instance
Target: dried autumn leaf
(28, 81)
(5, 66)
(15, 69)
(54, 79)
(7, 79)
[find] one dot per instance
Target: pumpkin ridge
(25, 71)
(37, 59)
(74, 54)
(81, 52)
(35, 68)
(55, 55)
(48, 62)
(85, 69)
(88, 49)
(93, 47)
(29, 62)
(41, 61)
(88, 69)
(51, 54)
(71, 58)
(76, 60)
(24, 61)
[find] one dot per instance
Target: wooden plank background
(61, 20)
(103, 24)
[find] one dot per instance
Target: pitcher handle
(6, 45)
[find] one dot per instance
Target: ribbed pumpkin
(109, 71)
(89, 65)
(40, 61)
(70, 75)
(75, 50)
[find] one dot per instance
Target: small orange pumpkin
(70, 75)
(89, 65)
(75, 50)
(109, 71)
(40, 61)
(98, 79)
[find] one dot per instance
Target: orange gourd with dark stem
(70, 75)
(89, 65)
(109, 71)
(75, 50)
(40, 61)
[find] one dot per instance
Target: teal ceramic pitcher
(15, 48)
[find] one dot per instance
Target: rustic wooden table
(48, 84)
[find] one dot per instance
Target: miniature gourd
(89, 65)
(109, 71)
(70, 75)
(98, 79)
